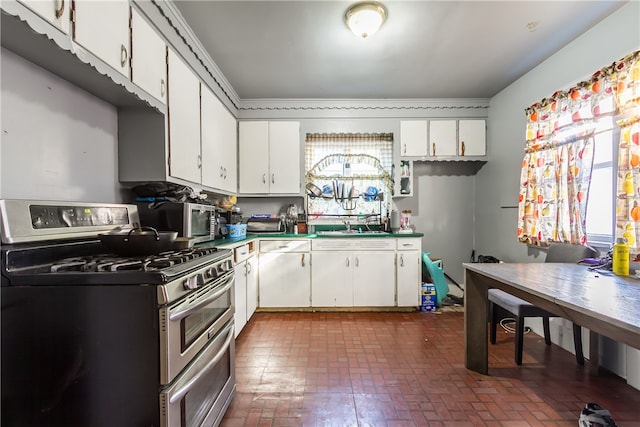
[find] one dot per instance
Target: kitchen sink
(354, 233)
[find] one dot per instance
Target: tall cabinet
(269, 157)
(185, 160)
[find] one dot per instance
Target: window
(600, 223)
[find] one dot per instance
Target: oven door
(187, 326)
(202, 393)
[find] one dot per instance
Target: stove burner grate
(110, 262)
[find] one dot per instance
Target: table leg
(476, 351)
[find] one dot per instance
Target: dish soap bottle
(621, 257)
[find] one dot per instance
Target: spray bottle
(621, 257)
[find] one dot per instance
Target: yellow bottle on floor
(621, 257)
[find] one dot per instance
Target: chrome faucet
(348, 225)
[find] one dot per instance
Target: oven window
(198, 401)
(196, 323)
(200, 223)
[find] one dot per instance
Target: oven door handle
(182, 391)
(188, 307)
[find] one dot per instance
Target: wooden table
(600, 301)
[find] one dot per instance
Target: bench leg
(577, 343)
(519, 338)
(494, 322)
(547, 330)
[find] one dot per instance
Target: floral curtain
(556, 169)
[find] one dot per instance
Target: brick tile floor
(406, 370)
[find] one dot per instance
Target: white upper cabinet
(102, 27)
(148, 58)
(185, 161)
(442, 138)
(413, 138)
(219, 142)
(472, 137)
(269, 157)
(55, 12)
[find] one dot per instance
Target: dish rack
(347, 194)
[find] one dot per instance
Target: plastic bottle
(621, 257)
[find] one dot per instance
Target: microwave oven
(191, 220)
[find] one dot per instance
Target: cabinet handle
(199, 161)
(347, 262)
(123, 55)
(264, 178)
(462, 148)
(273, 178)
(246, 269)
(302, 260)
(163, 87)
(225, 173)
(404, 149)
(221, 172)
(434, 148)
(401, 260)
(60, 11)
(357, 262)
(249, 268)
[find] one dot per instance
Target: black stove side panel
(80, 356)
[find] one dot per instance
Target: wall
(442, 204)
(497, 183)
(58, 142)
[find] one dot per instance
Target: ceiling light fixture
(365, 18)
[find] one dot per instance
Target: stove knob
(190, 283)
(211, 273)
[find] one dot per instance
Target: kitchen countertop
(253, 236)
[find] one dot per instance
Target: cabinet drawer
(292, 245)
(243, 252)
(353, 243)
(409, 244)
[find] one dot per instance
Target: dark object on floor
(557, 252)
(594, 415)
(453, 300)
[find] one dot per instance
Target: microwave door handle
(182, 391)
(191, 307)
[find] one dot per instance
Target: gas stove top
(109, 262)
(86, 263)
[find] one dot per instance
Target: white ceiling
(426, 49)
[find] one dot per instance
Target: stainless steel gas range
(90, 338)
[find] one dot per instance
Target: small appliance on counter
(264, 224)
(195, 221)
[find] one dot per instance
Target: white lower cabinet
(285, 273)
(245, 284)
(353, 273)
(408, 272)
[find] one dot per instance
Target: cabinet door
(442, 137)
(332, 284)
(472, 137)
(218, 129)
(413, 138)
(240, 288)
(184, 121)
(408, 278)
(285, 279)
(148, 58)
(284, 158)
(102, 27)
(375, 278)
(252, 286)
(253, 150)
(54, 11)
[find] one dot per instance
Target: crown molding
(365, 108)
